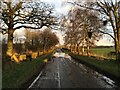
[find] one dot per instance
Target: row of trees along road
(18, 14)
(108, 11)
(80, 26)
(40, 40)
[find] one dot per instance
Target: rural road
(62, 72)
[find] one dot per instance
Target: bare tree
(81, 32)
(31, 36)
(18, 15)
(109, 10)
(48, 39)
(40, 40)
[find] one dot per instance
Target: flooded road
(63, 72)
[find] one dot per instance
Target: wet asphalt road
(66, 73)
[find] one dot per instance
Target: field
(103, 52)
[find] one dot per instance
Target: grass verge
(109, 68)
(21, 75)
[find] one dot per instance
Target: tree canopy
(18, 14)
(33, 15)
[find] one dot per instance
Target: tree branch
(23, 26)
(107, 34)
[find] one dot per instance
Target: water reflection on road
(110, 83)
(64, 72)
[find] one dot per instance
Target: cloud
(63, 9)
(55, 2)
(59, 35)
(60, 9)
(104, 42)
(20, 32)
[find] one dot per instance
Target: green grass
(102, 51)
(16, 75)
(108, 66)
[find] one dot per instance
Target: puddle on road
(107, 80)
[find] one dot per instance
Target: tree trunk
(43, 48)
(71, 47)
(10, 42)
(74, 48)
(77, 48)
(83, 48)
(76, 51)
(79, 51)
(117, 50)
(117, 47)
(88, 50)
(88, 47)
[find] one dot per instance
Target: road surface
(62, 72)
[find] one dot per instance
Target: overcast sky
(61, 8)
